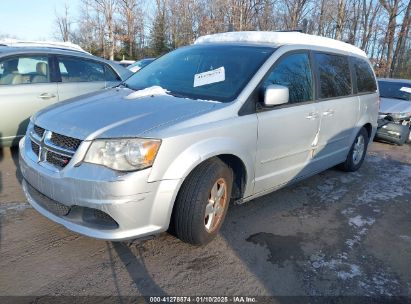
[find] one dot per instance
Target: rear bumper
(137, 207)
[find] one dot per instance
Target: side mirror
(275, 95)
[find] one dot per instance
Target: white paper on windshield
(406, 89)
(209, 77)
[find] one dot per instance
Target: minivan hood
(108, 114)
(391, 105)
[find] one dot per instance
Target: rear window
(364, 75)
(334, 75)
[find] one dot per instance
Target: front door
(79, 76)
(287, 133)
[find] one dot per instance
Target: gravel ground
(333, 234)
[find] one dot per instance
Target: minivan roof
(280, 38)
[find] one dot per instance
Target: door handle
(329, 112)
(312, 115)
(46, 96)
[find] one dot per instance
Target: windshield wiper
(125, 85)
(175, 94)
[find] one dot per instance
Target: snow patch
(392, 182)
(354, 272)
(359, 221)
(151, 91)
(280, 38)
(406, 238)
(4, 208)
(343, 269)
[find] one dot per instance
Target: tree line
(134, 29)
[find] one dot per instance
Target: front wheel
(202, 202)
(358, 149)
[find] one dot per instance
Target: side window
(365, 76)
(294, 72)
(80, 70)
(110, 75)
(334, 75)
(24, 70)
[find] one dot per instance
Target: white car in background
(34, 75)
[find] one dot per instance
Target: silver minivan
(228, 119)
(34, 77)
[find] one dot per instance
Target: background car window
(24, 70)
(396, 90)
(365, 76)
(110, 75)
(294, 72)
(79, 70)
(334, 73)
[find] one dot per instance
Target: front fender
(185, 161)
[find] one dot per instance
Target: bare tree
(380, 27)
(391, 6)
(131, 19)
(107, 9)
(400, 49)
(369, 14)
(341, 15)
(63, 23)
(295, 12)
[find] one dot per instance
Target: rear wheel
(202, 202)
(358, 149)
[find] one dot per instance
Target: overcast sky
(32, 19)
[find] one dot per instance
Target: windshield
(397, 90)
(210, 72)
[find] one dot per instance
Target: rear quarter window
(365, 77)
(334, 75)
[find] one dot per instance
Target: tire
(356, 156)
(195, 219)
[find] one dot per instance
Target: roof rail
(286, 31)
(46, 44)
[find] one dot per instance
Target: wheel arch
(368, 127)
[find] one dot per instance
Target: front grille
(57, 159)
(39, 130)
(48, 203)
(35, 147)
(53, 148)
(65, 142)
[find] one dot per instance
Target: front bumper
(138, 208)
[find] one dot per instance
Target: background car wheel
(358, 150)
(202, 202)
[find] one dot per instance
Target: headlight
(123, 154)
